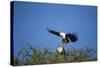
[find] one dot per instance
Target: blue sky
(31, 20)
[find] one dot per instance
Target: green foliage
(31, 56)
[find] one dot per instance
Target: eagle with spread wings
(66, 38)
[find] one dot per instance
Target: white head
(63, 35)
(60, 49)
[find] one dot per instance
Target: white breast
(63, 35)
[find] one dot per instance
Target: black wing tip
(73, 37)
(76, 36)
(48, 29)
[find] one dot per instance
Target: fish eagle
(66, 38)
(61, 50)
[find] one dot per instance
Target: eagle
(66, 37)
(61, 50)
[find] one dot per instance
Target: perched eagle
(66, 38)
(61, 50)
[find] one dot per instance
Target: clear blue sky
(31, 20)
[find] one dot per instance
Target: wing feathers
(69, 36)
(54, 32)
(73, 37)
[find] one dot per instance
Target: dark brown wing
(72, 37)
(54, 32)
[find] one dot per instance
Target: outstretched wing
(54, 32)
(72, 37)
